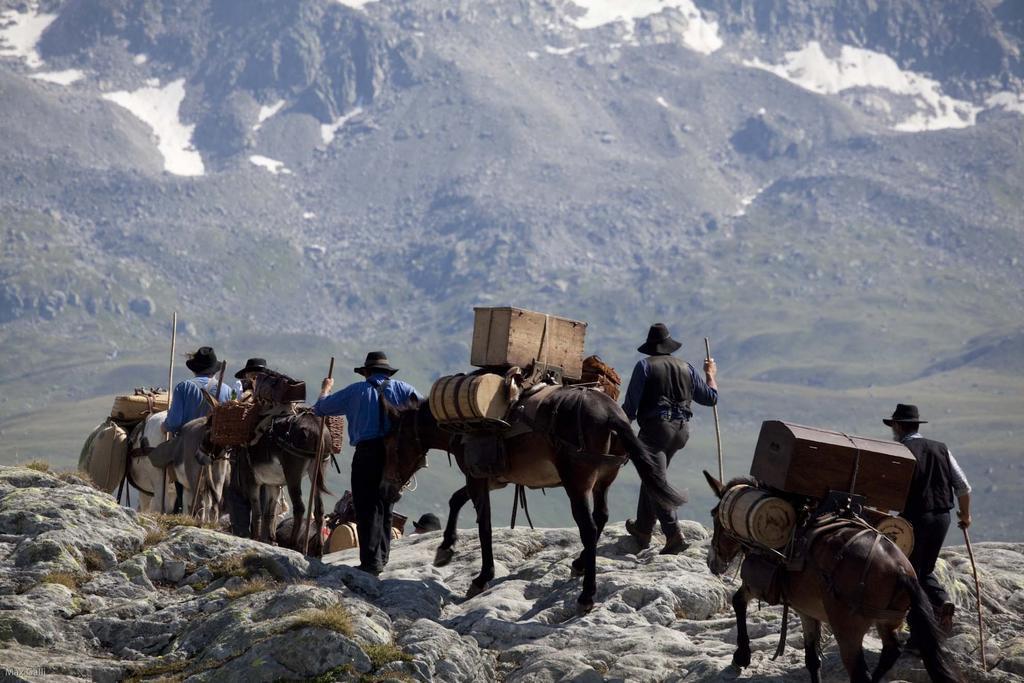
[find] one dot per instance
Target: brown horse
(853, 578)
(571, 449)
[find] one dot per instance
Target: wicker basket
(233, 424)
(336, 426)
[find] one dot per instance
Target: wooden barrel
(900, 531)
(469, 398)
(757, 516)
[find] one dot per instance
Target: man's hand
(326, 385)
(710, 369)
(965, 519)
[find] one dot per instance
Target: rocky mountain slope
(91, 591)
(830, 191)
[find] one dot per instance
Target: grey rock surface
(200, 605)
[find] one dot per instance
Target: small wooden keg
(757, 516)
(469, 398)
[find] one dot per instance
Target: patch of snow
(811, 69)
(153, 82)
(141, 59)
(159, 109)
(266, 112)
(66, 77)
(661, 100)
(700, 34)
(1011, 101)
(20, 33)
(272, 165)
(747, 201)
(355, 4)
(329, 130)
(308, 215)
(551, 50)
(533, 55)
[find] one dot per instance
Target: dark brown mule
(853, 578)
(547, 458)
(281, 457)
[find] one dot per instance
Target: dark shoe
(373, 571)
(643, 539)
(674, 545)
(944, 615)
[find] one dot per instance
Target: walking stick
(170, 393)
(718, 430)
(315, 479)
(977, 593)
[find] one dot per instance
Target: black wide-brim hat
(252, 365)
(905, 413)
(203, 361)
(428, 522)
(376, 361)
(659, 341)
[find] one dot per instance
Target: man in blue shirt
(659, 397)
(368, 424)
(187, 401)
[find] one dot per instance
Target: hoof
(474, 590)
(576, 571)
(443, 556)
(584, 607)
(741, 659)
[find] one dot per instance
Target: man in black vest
(659, 397)
(937, 477)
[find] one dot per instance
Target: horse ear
(715, 485)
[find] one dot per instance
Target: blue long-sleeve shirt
(702, 393)
(187, 402)
(360, 405)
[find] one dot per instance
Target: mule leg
(741, 657)
(446, 551)
(600, 517)
(256, 527)
(890, 650)
(481, 495)
(298, 510)
(812, 647)
(582, 512)
(849, 630)
(317, 544)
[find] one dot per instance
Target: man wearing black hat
(659, 397)
(361, 404)
(937, 478)
(187, 401)
(246, 377)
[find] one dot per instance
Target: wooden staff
(170, 393)
(718, 430)
(977, 593)
(315, 479)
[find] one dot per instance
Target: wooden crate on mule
(505, 336)
(811, 462)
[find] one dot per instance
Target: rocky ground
(93, 591)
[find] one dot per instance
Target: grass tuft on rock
(67, 579)
(92, 560)
(77, 477)
(228, 566)
(37, 465)
(381, 654)
(257, 584)
(333, 618)
(163, 670)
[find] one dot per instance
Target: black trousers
(372, 505)
(663, 438)
(239, 507)
(929, 534)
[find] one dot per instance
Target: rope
(856, 461)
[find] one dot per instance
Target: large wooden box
(507, 336)
(810, 462)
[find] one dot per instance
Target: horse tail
(651, 468)
(925, 629)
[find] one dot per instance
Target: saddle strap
(781, 647)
